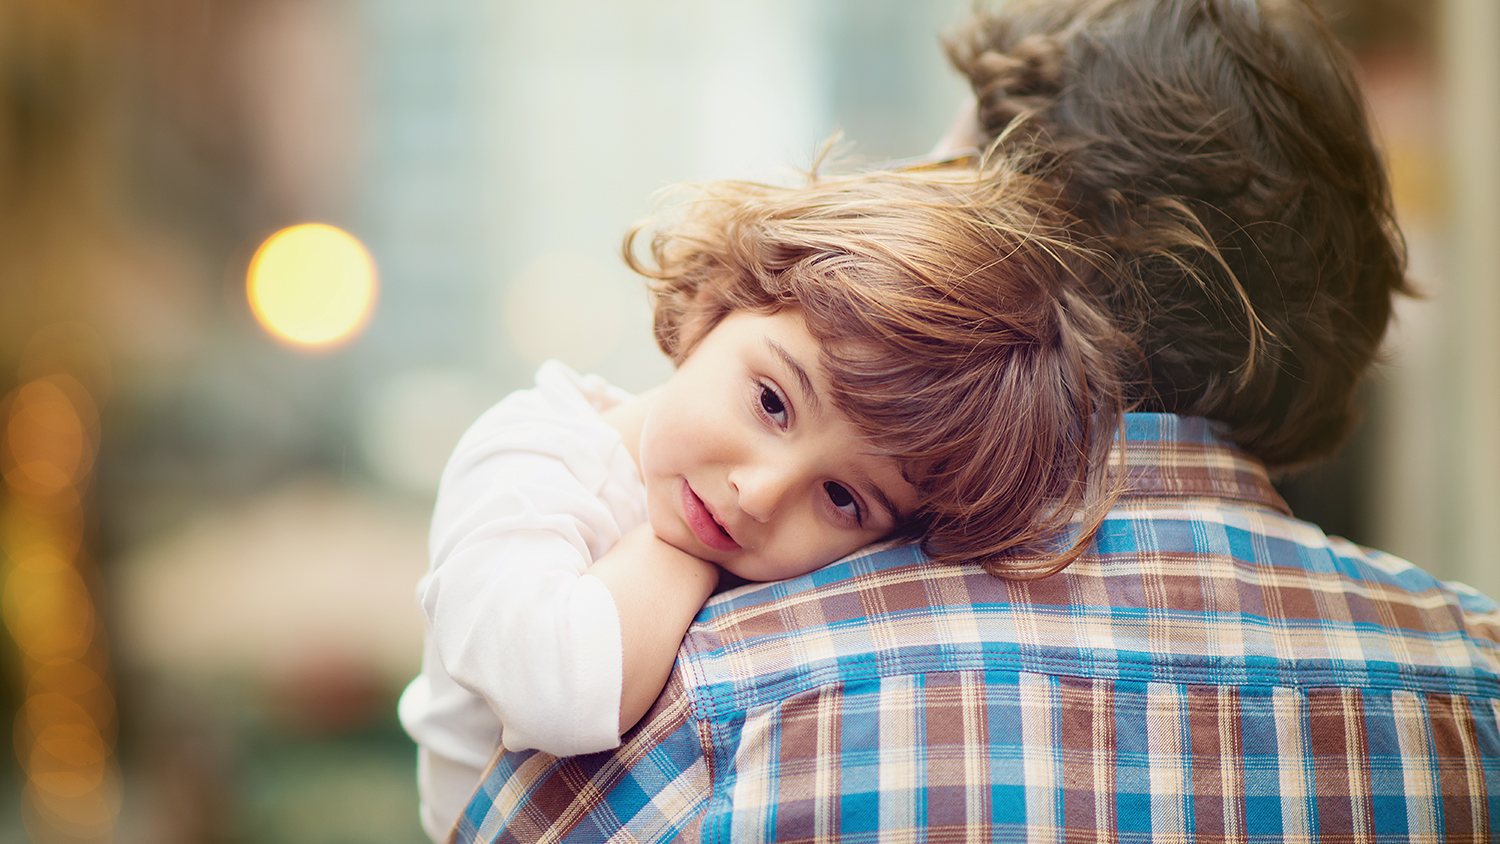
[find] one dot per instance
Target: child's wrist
(680, 563)
(699, 568)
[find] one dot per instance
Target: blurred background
(215, 503)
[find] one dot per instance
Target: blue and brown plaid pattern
(1213, 670)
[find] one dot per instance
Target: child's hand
(658, 589)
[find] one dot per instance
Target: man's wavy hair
(1220, 153)
(954, 328)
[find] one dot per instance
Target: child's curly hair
(954, 327)
(1220, 153)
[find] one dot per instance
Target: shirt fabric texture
(522, 645)
(1211, 670)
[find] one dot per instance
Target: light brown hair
(1219, 152)
(954, 328)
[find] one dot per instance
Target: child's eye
(843, 500)
(772, 404)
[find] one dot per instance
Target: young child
(885, 355)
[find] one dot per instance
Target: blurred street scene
(216, 491)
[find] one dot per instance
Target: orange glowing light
(64, 734)
(312, 285)
(64, 805)
(47, 435)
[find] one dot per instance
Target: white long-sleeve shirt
(523, 645)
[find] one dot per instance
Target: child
(869, 357)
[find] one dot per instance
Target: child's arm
(517, 608)
(658, 589)
(520, 634)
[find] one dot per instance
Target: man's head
(952, 329)
(1219, 152)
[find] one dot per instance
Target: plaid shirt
(1213, 670)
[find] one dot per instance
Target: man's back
(1213, 669)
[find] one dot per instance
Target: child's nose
(763, 487)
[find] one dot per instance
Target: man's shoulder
(887, 611)
(1178, 588)
(655, 786)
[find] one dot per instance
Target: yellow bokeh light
(312, 284)
(47, 608)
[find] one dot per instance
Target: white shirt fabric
(523, 645)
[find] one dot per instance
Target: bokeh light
(48, 435)
(312, 284)
(65, 731)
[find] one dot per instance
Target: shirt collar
(1169, 455)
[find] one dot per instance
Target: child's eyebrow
(815, 404)
(884, 501)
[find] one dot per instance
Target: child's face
(748, 464)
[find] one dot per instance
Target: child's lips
(703, 524)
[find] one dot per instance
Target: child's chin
(750, 572)
(741, 572)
